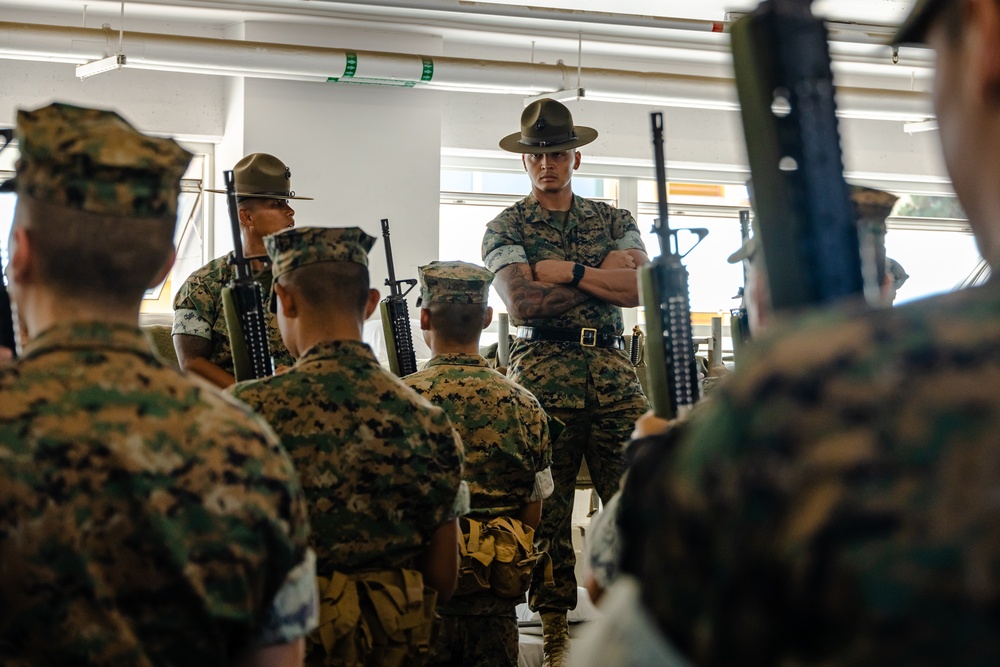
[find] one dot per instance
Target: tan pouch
(380, 617)
(515, 557)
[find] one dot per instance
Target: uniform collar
(457, 359)
(334, 349)
(580, 209)
(89, 336)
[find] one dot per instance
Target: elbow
(518, 312)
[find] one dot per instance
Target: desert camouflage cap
(454, 282)
(95, 161)
(301, 246)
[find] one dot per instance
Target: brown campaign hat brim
(244, 195)
(584, 135)
(914, 28)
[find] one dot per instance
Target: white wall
(364, 152)
(188, 105)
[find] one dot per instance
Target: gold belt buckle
(588, 334)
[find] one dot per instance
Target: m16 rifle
(739, 322)
(673, 370)
(396, 316)
(8, 337)
(807, 226)
(243, 303)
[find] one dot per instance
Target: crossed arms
(542, 289)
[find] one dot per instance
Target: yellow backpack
(498, 556)
(382, 617)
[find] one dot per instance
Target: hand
(554, 271)
(618, 259)
(6, 354)
(650, 424)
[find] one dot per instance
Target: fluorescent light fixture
(116, 61)
(923, 126)
(568, 95)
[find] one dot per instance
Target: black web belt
(585, 337)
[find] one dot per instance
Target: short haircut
(340, 286)
(457, 323)
(113, 259)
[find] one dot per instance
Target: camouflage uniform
(507, 463)
(593, 390)
(146, 520)
(198, 312)
(380, 466)
(840, 493)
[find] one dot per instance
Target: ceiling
(880, 12)
(641, 35)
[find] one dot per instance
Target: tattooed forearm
(527, 299)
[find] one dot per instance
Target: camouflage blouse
(145, 519)
(380, 466)
(504, 431)
(841, 490)
(557, 372)
(198, 312)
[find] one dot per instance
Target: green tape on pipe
(350, 68)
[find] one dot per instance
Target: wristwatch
(578, 270)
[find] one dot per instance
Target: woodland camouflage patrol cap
(299, 246)
(453, 282)
(94, 161)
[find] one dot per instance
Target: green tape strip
(350, 68)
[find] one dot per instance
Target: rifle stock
(396, 316)
(244, 305)
(670, 353)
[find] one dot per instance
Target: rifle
(8, 338)
(244, 305)
(396, 316)
(673, 378)
(807, 226)
(739, 322)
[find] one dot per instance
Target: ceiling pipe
(224, 57)
(480, 12)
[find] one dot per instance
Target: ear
(246, 219)
(576, 160)
(524, 161)
(488, 317)
(425, 319)
(373, 298)
(20, 262)
(286, 300)
(168, 264)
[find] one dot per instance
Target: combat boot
(555, 639)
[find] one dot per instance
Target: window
(157, 302)
(927, 235)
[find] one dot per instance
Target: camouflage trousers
(598, 434)
(475, 641)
